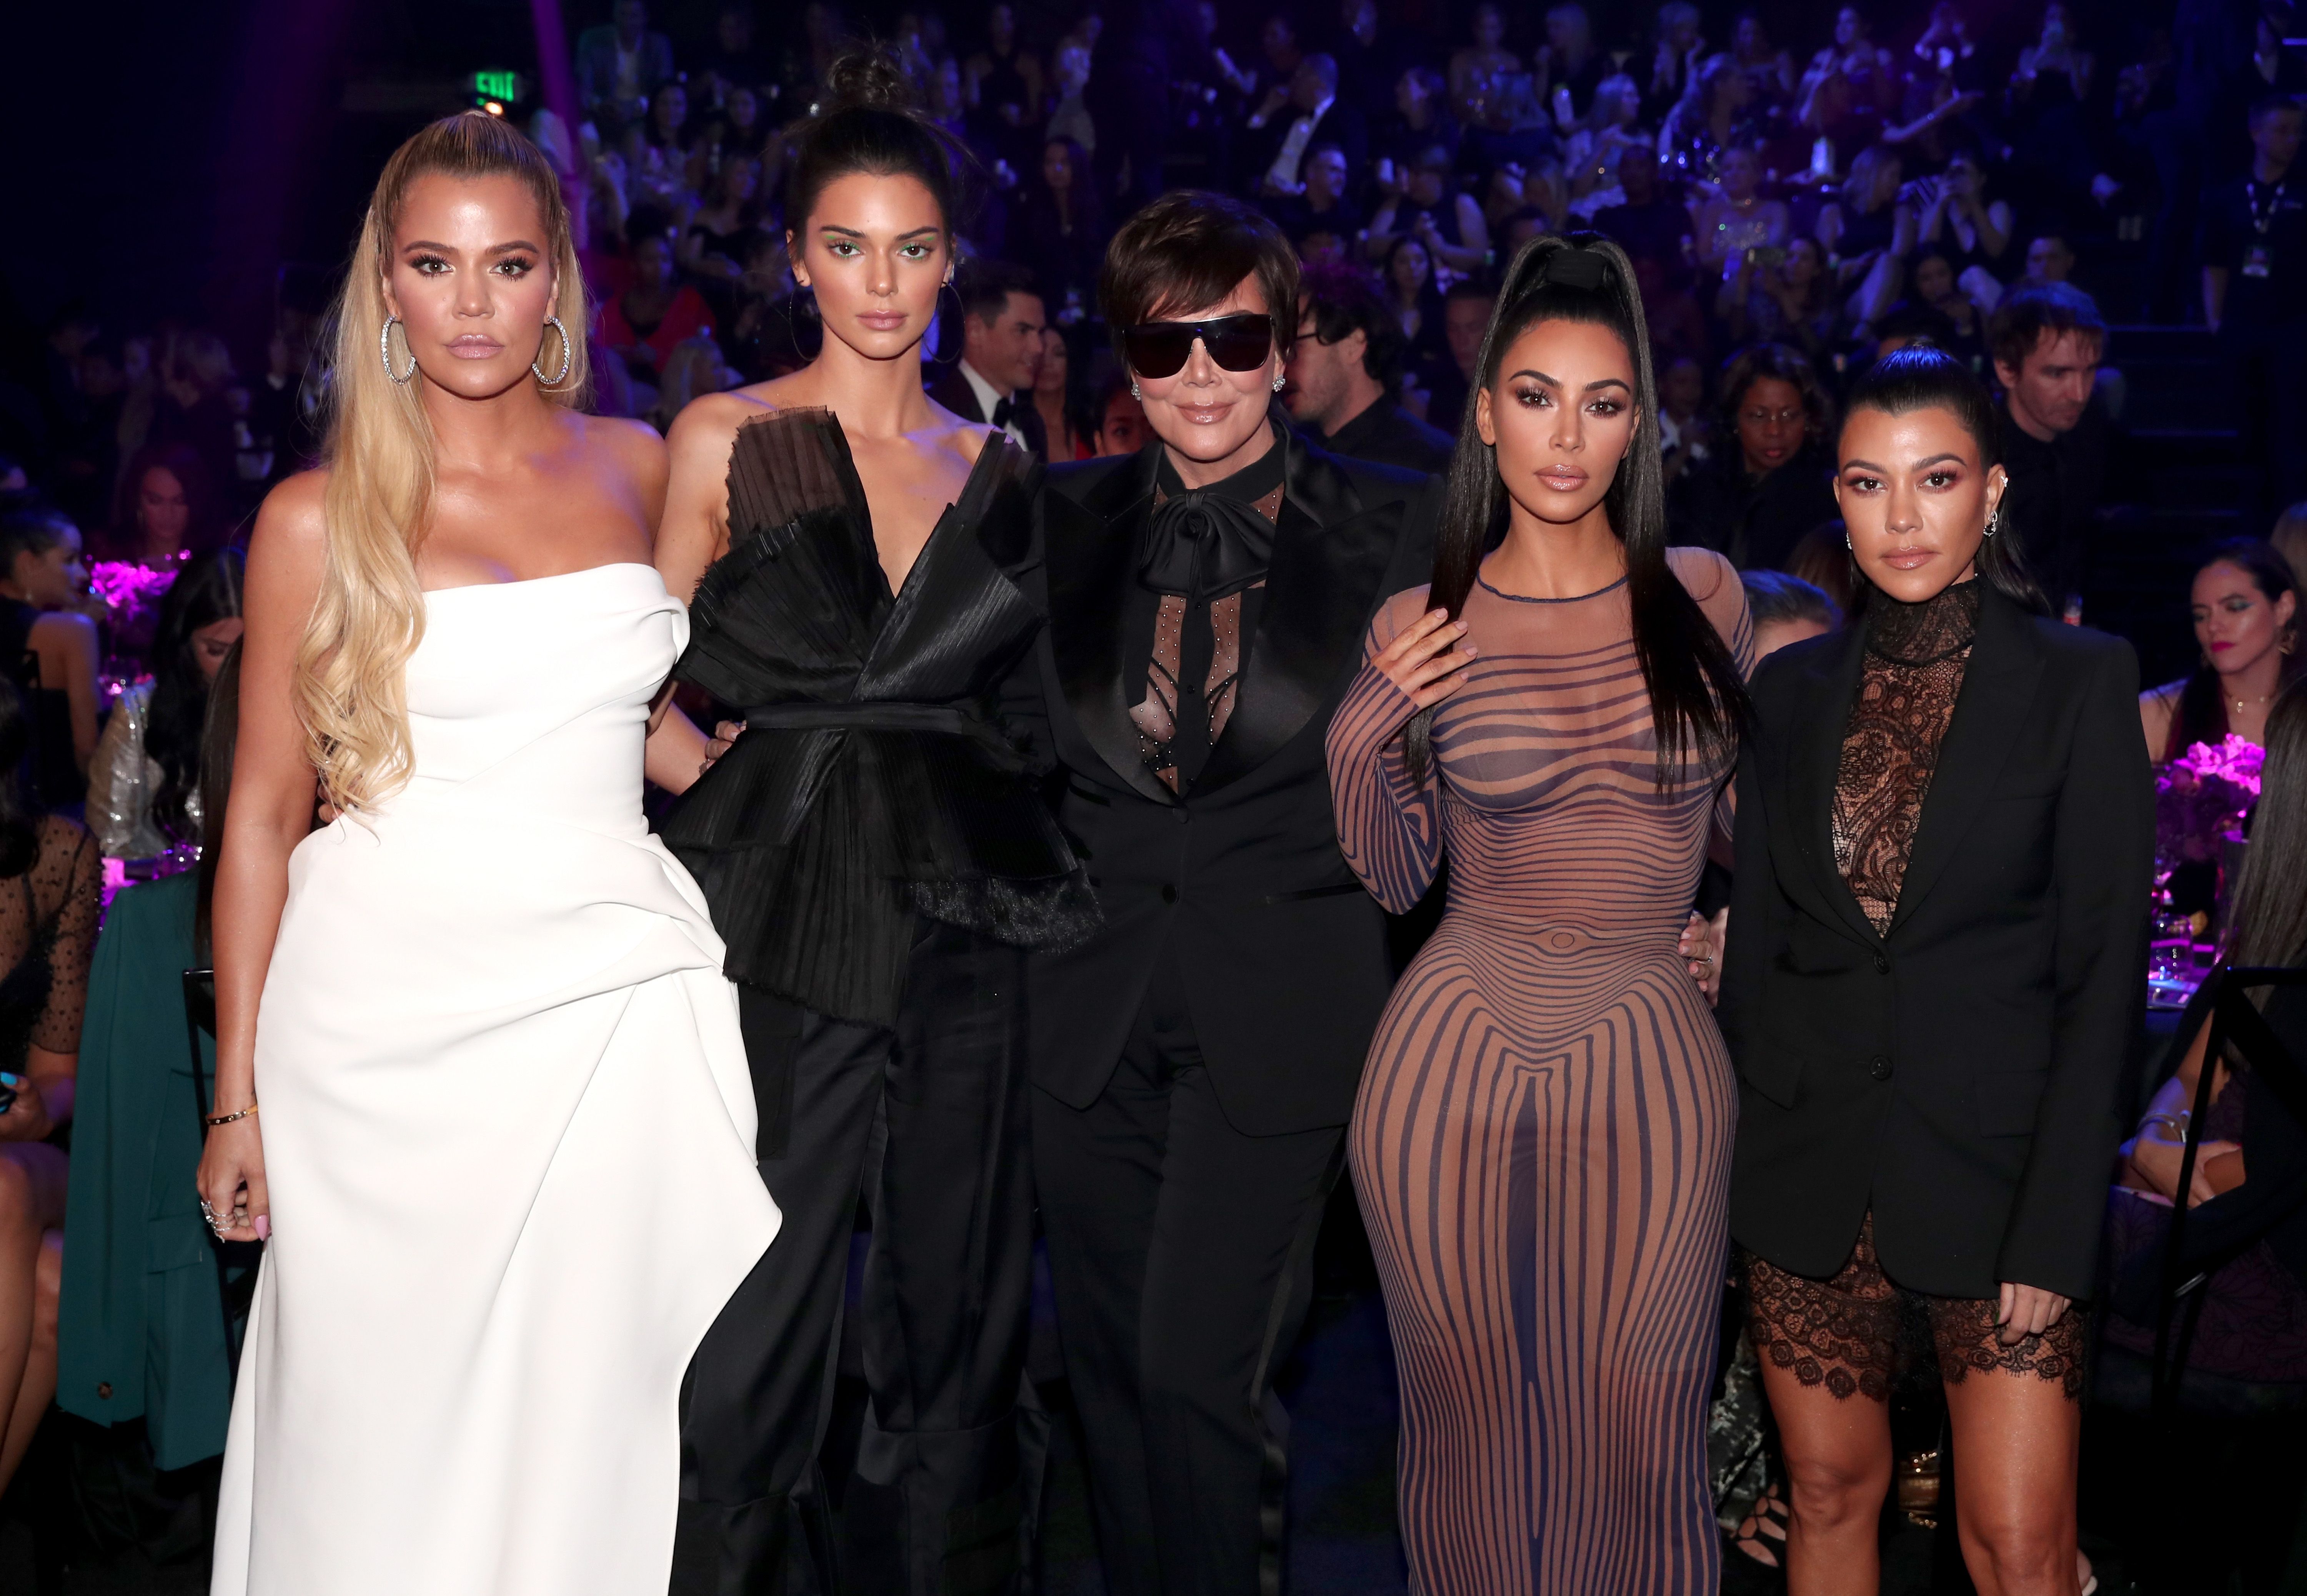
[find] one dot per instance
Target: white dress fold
(508, 1137)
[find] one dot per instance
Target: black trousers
(1182, 1254)
(926, 1126)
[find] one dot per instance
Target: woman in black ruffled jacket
(879, 862)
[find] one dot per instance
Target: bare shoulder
(293, 521)
(634, 445)
(965, 440)
(709, 423)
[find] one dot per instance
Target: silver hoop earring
(1994, 522)
(1278, 381)
(568, 354)
(385, 351)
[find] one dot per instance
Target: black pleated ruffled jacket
(874, 782)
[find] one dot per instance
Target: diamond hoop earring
(385, 351)
(1278, 381)
(1994, 522)
(568, 354)
(1132, 390)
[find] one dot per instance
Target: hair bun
(868, 79)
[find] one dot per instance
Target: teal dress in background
(142, 1324)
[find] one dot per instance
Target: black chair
(2236, 1026)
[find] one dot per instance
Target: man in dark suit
(1283, 129)
(1196, 1061)
(619, 65)
(1343, 369)
(1002, 326)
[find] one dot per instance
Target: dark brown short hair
(1785, 362)
(2029, 315)
(1189, 249)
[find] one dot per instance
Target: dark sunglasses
(1236, 343)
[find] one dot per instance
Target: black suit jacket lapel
(1331, 554)
(1829, 685)
(1089, 550)
(1998, 689)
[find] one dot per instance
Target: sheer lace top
(1916, 655)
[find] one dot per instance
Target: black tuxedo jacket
(950, 388)
(1284, 951)
(1959, 1073)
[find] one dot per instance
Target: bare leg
(1838, 1452)
(2019, 1438)
(31, 1203)
(39, 1387)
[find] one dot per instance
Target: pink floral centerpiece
(2202, 796)
(129, 590)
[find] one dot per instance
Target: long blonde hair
(350, 691)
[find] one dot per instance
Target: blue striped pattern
(1542, 1142)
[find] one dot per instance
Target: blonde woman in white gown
(479, 1078)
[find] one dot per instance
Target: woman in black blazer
(1944, 849)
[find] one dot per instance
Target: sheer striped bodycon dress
(1542, 1141)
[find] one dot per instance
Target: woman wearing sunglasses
(1542, 1146)
(1194, 1062)
(877, 861)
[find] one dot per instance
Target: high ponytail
(1698, 699)
(870, 121)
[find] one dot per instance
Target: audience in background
(2246, 608)
(2254, 254)
(1344, 372)
(143, 783)
(2047, 341)
(43, 584)
(1002, 322)
(1768, 481)
(1055, 399)
(51, 882)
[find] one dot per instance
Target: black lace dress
(874, 782)
(1856, 1332)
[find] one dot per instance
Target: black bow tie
(1203, 545)
(1003, 409)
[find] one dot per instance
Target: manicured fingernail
(1469, 651)
(1461, 626)
(264, 1227)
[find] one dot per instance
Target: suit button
(1878, 1067)
(1181, 814)
(1168, 893)
(1882, 963)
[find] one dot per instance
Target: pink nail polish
(264, 1227)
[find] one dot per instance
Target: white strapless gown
(509, 1134)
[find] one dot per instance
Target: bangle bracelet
(229, 1118)
(2174, 1123)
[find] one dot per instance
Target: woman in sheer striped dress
(1542, 1141)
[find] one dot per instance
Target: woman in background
(1062, 232)
(43, 584)
(143, 784)
(1766, 484)
(1056, 396)
(1899, 1156)
(51, 883)
(2246, 608)
(1541, 1142)
(165, 512)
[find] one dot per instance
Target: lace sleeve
(70, 876)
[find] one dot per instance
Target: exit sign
(505, 86)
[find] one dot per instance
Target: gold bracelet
(229, 1118)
